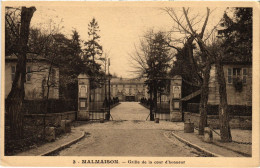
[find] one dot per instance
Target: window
(13, 72)
(53, 76)
(236, 72)
(244, 75)
(28, 74)
(229, 75)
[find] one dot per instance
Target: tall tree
(186, 25)
(237, 34)
(16, 95)
(93, 55)
(236, 46)
(153, 62)
(72, 66)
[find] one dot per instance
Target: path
(130, 135)
(129, 111)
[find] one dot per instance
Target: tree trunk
(155, 100)
(204, 99)
(151, 105)
(225, 132)
(17, 93)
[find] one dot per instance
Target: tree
(187, 65)
(16, 95)
(236, 46)
(93, 50)
(93, 55)
(237, 35)
(209, 55)
(71, 65)
(153, 62)
(185, 25)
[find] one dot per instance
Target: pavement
(60, 143)
(130, 134)
(240, 147)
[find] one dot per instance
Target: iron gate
(100, 100)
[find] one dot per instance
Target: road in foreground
(130, 135)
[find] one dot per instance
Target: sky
(121, 26)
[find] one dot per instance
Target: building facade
(238, 77)
(128, 89)
(37, 72)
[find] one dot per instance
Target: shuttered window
(229, 75)
(244, 75)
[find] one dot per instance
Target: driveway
(129, 134)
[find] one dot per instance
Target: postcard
(130, 84)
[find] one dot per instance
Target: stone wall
(236, 122)
(52, 119)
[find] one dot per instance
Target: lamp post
(108, 89)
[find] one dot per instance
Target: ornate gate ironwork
(167, 106)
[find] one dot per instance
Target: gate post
(175, 98)
(83, 97)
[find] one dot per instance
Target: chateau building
(128, 89)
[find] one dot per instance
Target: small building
(37, 72)
(238, 77)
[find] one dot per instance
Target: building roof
(127, 81)
(30, 58)
(226, 62)
(192, 95)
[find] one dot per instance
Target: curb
(241, 153)
(196, 146)
(63, 146)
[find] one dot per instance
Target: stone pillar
(83, 97)
(175, 99)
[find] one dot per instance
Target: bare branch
(205, 23)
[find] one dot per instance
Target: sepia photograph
(130, 84)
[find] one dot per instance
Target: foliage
(70, 63)
(93, 54)
(12, 26)
(158, 61)
(21, 35)
(238, 84)
(238, 35)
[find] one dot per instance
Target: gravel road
(129, 134)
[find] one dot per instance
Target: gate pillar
(83, 97)
(175, 99)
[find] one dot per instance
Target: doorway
(130, 98)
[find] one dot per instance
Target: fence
(163, 108)
(236, 122)
(98, 109)
(51, 106)
(234, 110)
